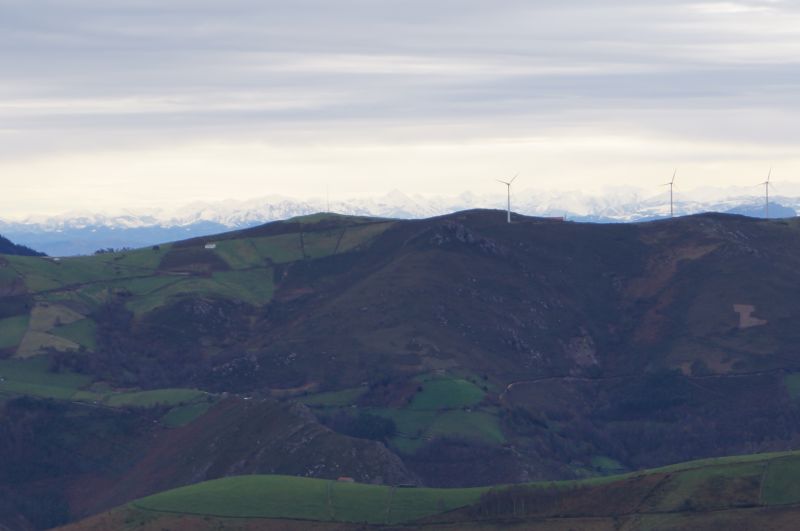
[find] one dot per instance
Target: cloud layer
(138, 102)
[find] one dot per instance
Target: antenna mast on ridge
(671, 185)
(766, 194)
(508, 185)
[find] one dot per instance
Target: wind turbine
(508, 185)
(671, 185)
(766, 185)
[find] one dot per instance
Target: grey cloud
(224, 68)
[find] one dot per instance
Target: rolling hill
(457, 351)
(747, 492)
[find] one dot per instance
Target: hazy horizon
(525, 199)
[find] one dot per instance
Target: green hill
(457, 351)
(693, 495)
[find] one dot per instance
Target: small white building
(211, 246)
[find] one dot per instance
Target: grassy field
(308, 499)
(444, 407)
(447, 394)
(253, 286)
(279, 249)
(360, 234)
(691, 488)
(248, 496)
(7, 274)
(68, 290)
(32, 377)
(708, 484)
(240, 254)
(320, 244)
(81, 332)
(782, 482)
(12, 330)
(41, 274)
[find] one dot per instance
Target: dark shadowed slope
(8, 247)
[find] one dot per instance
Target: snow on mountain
(81, 232)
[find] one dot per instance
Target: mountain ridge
(83, 233)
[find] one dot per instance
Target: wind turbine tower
(508, 185)
(766, 194)
(671, 185)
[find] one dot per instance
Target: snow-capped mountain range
(84, 232)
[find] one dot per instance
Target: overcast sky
(132, 103)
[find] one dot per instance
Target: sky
(158, 103)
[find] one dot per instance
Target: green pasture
(247, 496)
(691, 484)
(308, 499)
(7, 274)
(12, 330)
(82, 332)
(42, 274)
(413, 504)
(240, 254)
(320, 244)
(145, 259)
(360, 234)
(279, 249)
(442, 408)
(251, 286)
(440, 394)
(416, 427)
(32, 377)
(708, 481)
(782, 482)
(85, 299)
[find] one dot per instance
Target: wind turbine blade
(514, 179)
(673, 176)
(769, 175)
(507, 184)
